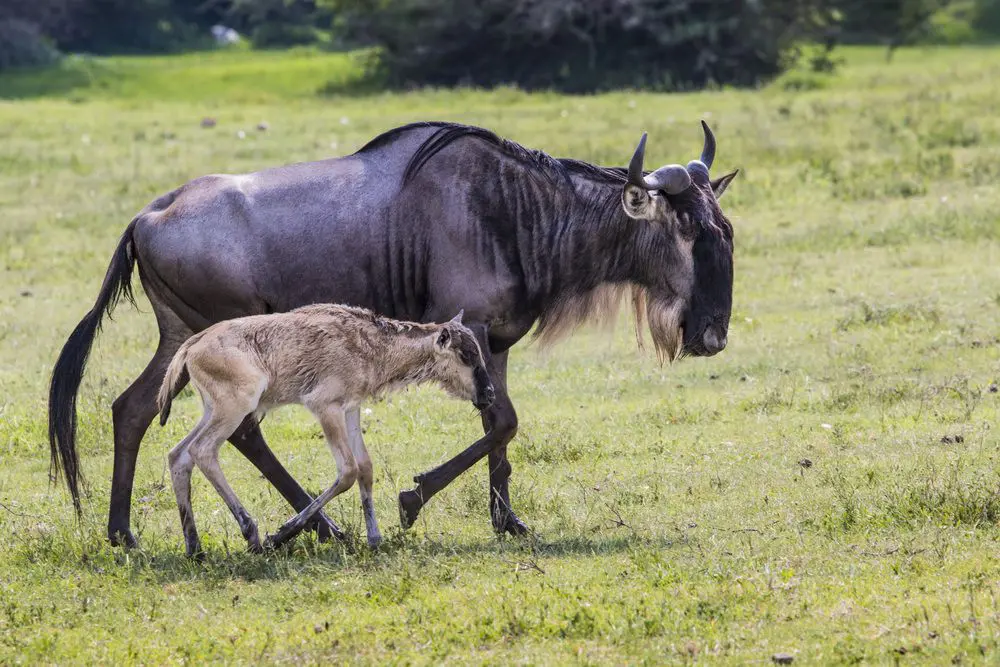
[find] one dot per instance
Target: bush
(987, 17)
(132, 26)
(582, 45)
(22, 45)
(893, 23)
(277, 24)
(283, 35)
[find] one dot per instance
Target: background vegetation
(568, 45)
(827, 487)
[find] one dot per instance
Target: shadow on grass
(162, 562)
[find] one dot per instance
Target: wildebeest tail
(68, 371)
(175, 379)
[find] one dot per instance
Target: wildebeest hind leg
(132, 412)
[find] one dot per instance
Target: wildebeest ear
(458, 318)
(636, 201)
(444, 338)
(720, 184)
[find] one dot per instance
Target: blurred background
(569, 45)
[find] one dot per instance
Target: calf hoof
(122, 537)
(410, 503)
(507, 522)
(374, 541)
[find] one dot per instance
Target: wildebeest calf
(328, 358)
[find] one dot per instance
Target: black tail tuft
(68, 371)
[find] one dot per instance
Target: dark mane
(447, 133)
(617, 175)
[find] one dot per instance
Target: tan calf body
(328, 358)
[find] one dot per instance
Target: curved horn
(698, 171)
(672, 179)
(708, 151)
(635, 166)
(458, 318)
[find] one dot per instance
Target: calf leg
(181, 465)
(331, 418)
(134, 410)
(365, 474)
(249, 440)
(205, 451)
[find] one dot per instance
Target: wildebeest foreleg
(503, 421)
(500, 424)
(432, 481)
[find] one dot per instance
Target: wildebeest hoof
(374, 542)
(410, 503)
(507, 522)
(122, 538)
(253, 542)
(196, 553)
(325, 529)
(284, 535)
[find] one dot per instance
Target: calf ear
(444, 339)
(636, 201)
(720, 184)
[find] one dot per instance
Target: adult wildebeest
(423, 220)
(326, 357)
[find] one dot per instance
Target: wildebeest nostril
(712, 341)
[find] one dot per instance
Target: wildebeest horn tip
(708, 151)
(635, 166)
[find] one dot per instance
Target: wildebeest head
(690, 296)
(460, 368)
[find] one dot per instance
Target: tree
(583, 45)
(894, 23)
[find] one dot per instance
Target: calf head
(459, 366)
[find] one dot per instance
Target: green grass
(675, 517)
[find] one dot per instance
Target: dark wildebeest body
(423, 221)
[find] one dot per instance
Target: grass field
(676, 515)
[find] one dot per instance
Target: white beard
(665, 318)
